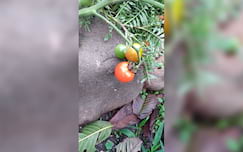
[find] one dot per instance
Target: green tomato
(138, 48)
(120, 51)
(85, 3)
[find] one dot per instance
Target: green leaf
(233, 145)
(144, 149)
(128, 133)
(93, 134)
(161, 100)
(109, 144)
(158, 134)
(107, 37)
(143, 122)
(129, 145)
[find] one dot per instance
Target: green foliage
(141, 23)
(160, 117)
(156, 145)
(93, 134)
(108, 35)
(186, 128)
(85, 22)
(144, 94)
(85, 3)
(109, 145)
(127, 132)
(199, 34)
(234, 121)
(235, 145)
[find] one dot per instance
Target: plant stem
(111, 24)
(90, 10)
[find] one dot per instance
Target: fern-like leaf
(93, 134)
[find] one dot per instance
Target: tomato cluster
(132, 54)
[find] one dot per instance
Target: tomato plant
(120, 51)
(134, 21)
(122, 73)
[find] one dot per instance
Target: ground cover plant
(137, 126)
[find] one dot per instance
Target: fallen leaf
(124, 117)
(126, 121)
(146, 131)
(148, 106)
(148, 128)
(129, 145)
(153, 118)
(137, 105)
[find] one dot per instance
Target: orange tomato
(166, 25)
(122, 73)
(134, 53)
(131, 55)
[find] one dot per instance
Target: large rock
(157, 83)
(100, 92)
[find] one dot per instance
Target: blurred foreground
(38, 66)
(204, 76)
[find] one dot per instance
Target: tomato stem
(111, 24)
(90, 10)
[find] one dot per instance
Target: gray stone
(100, 92)
(157, 83)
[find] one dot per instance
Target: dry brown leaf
(124, 117)
(137, 105)
(148, 106)
(129, 145)
(147, 129)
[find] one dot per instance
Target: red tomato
(122, 73)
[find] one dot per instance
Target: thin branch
(90, 10)
(111, 24)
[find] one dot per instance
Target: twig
(111, 24)
(90, 10)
